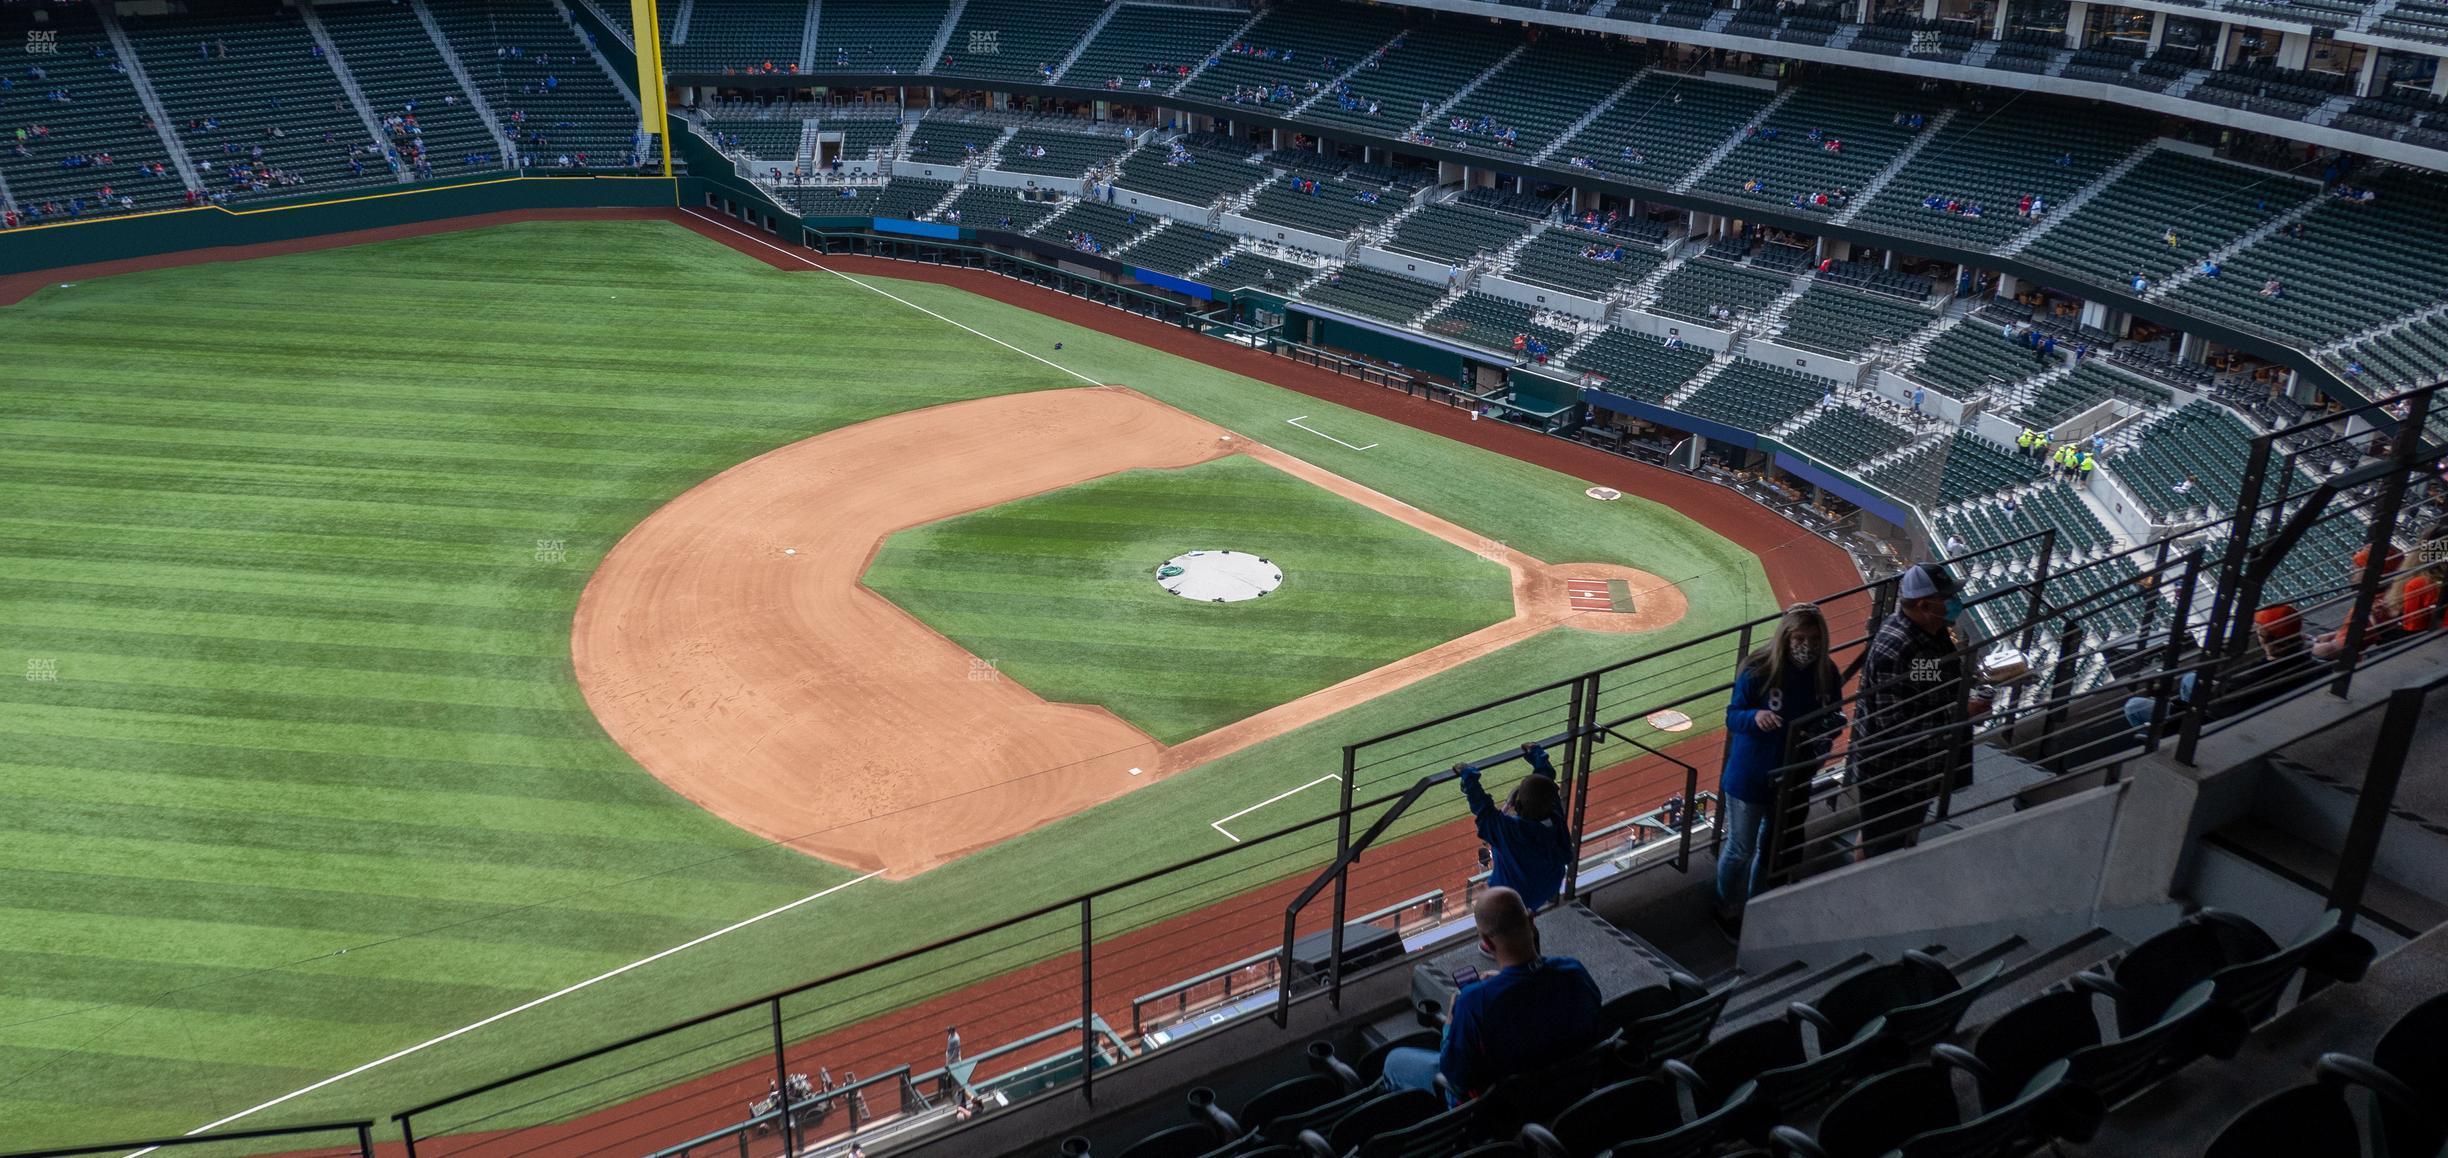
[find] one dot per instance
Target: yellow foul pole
(653, 117)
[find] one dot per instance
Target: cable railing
(1090, 982)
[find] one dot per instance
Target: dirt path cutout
(726, 642)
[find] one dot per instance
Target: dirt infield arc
(728, 645)
(1798, 565)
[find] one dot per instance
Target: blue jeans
(1743, 829)
(2138, 708)
(1411, 1068)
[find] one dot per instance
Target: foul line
(1218, 825)
(1326, 436)
(476, 1025)
(805, 260)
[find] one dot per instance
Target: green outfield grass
(293, 771)
(1059, 591)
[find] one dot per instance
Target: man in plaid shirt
(1912, 683)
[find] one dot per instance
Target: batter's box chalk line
(1322, 434)
(1218, 825)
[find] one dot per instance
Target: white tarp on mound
(1218, 576)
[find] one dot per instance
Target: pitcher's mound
(1606, 597)
(1218, 576)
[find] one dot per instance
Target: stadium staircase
(620, 27)
(1328, 88)
(1213, 54)
(1465, 91)
(2183, 86)
(2081, 197)
(348, 81)
(2226, 253)
(1081, 46)
(682, 14)
(1878, 183)
(811, 135)
(1846, 31)
(943, 35)
(2384, 329)
(467, 85)
(1587, 119)
(163, 124)
(1698, 382)
(620, 83)
(1726, 147)
(1770, 319)
(808, 43)
(1645, 291)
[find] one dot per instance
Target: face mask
(1802, 654)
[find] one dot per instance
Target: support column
(1997, 27)
(2095, 315)
(2364, 75)
(1929, 9)
(2007, 286)
(2294, 48)
(2439, 83)
(2158, 33)
(2190, 348)
(2076, 16)
(2218, 54)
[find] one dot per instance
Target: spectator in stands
(1532, 1012)
(2407, 602)
(2273, 289)
(1954, 545)
(1774, 690)
(1912, 733)
(1530, 842)
(1919, 395)
(2185, 487)
(2282, 665)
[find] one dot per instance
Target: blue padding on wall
(917, 228)
(1842, 487)
(1176, 284)
(1650, 412)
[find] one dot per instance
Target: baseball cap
(1926, 581)
(2279, 620)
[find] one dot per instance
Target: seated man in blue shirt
(1532, 1012)
(1527, 837)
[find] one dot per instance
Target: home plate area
(1609, 595)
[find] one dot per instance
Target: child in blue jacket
(1526, 838)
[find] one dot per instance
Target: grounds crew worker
(2023, 441)
(1912, 682)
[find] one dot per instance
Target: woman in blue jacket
(1776, 687)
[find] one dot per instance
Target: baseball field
(423, 659)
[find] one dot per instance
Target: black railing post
(1087, 1001)
(2404, 450)
(365, 1140)
(2373, 803)
(407, 1135)
(782, 1080)
(2173, 655)
(1283, 971)
(2060, 694)
(1581, 702)
(2039, 593)
(1342, 884)
(2223, 638)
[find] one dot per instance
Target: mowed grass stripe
(1060, 591)
(334, 469)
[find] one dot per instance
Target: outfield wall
(39, 247)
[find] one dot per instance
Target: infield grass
(1060, 592)
(293, 770)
